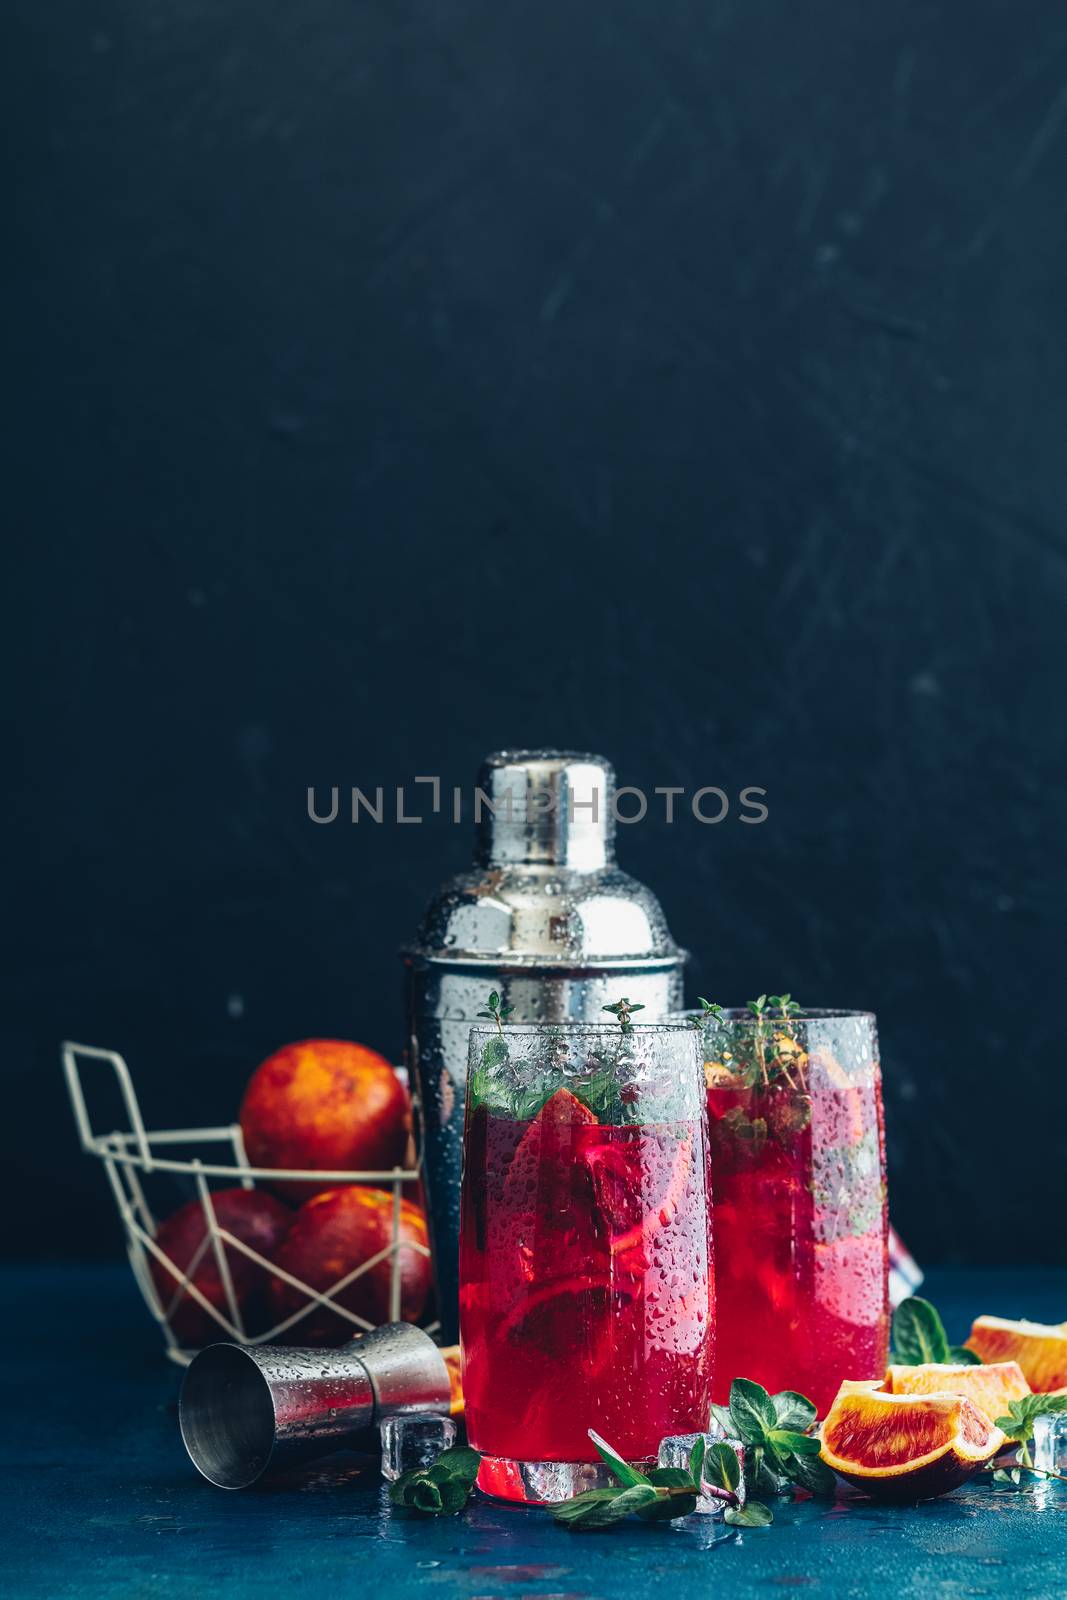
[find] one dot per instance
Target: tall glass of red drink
(586, 1289)
(799, 1199)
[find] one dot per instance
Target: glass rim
(735, 1014)
(576, 1028)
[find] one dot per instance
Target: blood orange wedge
(544, 1200)
(904, 1446)
(638, 1191)
(1038, 1347)
(991, 1388)
(563, 1111)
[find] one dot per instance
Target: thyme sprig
(496, 1013)
(709, 1012)
(763, 1054)
(623, 1011)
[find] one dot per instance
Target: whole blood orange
(1038, 1347)
(904, 1446)
(324, 1105)
(258, 1220)
(331, 1236)
(992, 1387)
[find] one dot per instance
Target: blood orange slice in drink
(992, 1388)
(564, 1110)
(638, 1182)
(590, 1199)
(545, 1202)
(1039, 1348)
(907, 1447)
(556, 1313)
(550, 1262)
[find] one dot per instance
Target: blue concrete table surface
(99, 1498)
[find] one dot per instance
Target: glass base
(541, 1483)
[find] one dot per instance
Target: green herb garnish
(785, 1005)
(441, 1490)
(1019, 1428)
(775, 1430)
(710, 1012)
(919, 1337)
(624, 1009)
(508, 1086)
(496, 1012)
(766, 1052)
(661, 1494)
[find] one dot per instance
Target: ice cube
(1049, 1448)
(413, 1443)
(676, 1450)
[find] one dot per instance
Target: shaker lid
(545, 891)
(546, 807)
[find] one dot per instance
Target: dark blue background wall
(395, 381)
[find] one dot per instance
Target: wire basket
(130, 1156)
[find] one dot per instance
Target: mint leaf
(918, 1334)
(454, 1496)
(721, 1415)
(811, 1473)
(670, 1478)
(721, 1467)
(459, 1462)
(1019, 1425)
(696, 1459)
(786, 1442)
(623, 1503)
(627, 1475)
(962, 1357)
(753, 1515)
(599, 1091)
(425, 1495)
(440, 1490)
(793, 1410)
(760, 1476)
(667, 1493)
(752, 1411)
(580, 1505)
(662, 1494)
(494, 1053)
(682, 1502)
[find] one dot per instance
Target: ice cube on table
(676, 1450)
(1049, 1449)
(414, 1443)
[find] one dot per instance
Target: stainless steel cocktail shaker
(546, 919)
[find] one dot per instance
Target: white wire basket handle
(131, 1152)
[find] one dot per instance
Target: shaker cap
(546, 807)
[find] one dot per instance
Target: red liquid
(800, 1238)
(586, 1291)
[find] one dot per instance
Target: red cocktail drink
(797, 1160)
(586, 1291)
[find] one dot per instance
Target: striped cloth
(905, 1273)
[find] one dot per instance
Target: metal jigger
(245, 1412)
